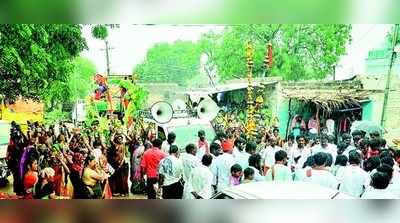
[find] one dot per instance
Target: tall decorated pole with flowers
(250, 123)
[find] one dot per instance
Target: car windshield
(4, 133)
(188, 134)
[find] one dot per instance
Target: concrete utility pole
(389, 75)
(107, 49)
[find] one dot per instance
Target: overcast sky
(131, 42)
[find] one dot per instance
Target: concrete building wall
(376, 84)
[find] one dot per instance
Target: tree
(81, 81)
(100, 32)
(36, 59)
(304, 51)
(177, 62)
(77, 86)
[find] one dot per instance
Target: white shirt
(200, 181)
(372, 193)
(323, 178)
(394, 186)
(288, 148)
(296, 152)
(257, 176)
(242, 158)
(201, 151)
(348, 149)
(354, 181)
(222, 170)
(330, 125)
(165, 146)
(189, 162)
(281, 173)
(171, 168)
(300, 174)
(329, 149)
(269, 159)
(338, 171)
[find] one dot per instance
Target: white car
(280, 190)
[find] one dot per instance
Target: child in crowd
(236, 174)
(248, 175)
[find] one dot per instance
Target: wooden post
(289, 119)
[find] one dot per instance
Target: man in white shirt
(200, 181)
(347, 141)
(319, 174)
(255, 165)
(269, 159)
(324, 147)
(170, 172)
(290, 144)
(241, 157)
(386, 166)
(189, 162)
(378, 189)
(222, 166)
(299, 154)
(167, 143)
(279, 171)
(354, 180)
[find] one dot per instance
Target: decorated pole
(250, 124)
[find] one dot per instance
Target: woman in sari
(30, 178)
(45, 186)
(138, 183)
(116, 157)
(76, 165)
(92, 179)
(61, 170)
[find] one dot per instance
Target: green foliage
(303, 51)
(91, 111)
(81, 80)
(55, 116)
(100, 32)
(34, 57)
(136, 96)
(77, 86)
(177, 62)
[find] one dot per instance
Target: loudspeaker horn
(162, 112)
(207, 109)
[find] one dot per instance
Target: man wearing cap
(223, 163)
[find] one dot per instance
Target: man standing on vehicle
(149, 166)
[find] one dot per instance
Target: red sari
(30, 180)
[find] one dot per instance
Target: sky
(130, 43)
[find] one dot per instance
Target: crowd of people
(85, 163)
(361, 165)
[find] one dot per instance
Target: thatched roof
(329, 96)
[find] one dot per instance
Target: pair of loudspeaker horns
(162, 111)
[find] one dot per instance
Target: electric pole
(389, 75)
(107, 49)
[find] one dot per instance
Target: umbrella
(367, 126)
